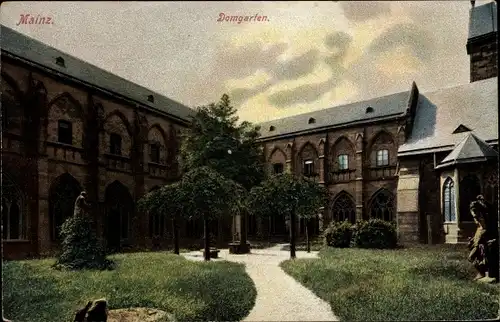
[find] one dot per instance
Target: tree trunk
(175, 229)
(207, 238)
(292, 234)
(243, 227)
(307, 236)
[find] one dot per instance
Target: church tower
(482, 41)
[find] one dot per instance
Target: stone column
(44, 240)
(321, 161)
(359, 176)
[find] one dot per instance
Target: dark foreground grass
(33, 291)
(424, 283)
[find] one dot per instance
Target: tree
(81, 248)
(166, 202)
(290, 196)
(209, 195)
(215, 139)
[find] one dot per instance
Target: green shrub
(375, 233)
(338, 234)
(81, 248)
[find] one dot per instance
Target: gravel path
(279, 296)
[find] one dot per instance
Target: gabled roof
(439, 113)
(471, 149)
(393, 105)
(482, 20)
(34, 51)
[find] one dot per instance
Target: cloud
(243, 61)
(307, 93)
(297, 67)
(417, 39)
(359, 11)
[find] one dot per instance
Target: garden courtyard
(417, 283)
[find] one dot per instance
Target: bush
(80, 247)
(338, 234)
(375, 233)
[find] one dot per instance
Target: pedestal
(239, 248)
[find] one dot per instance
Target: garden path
(279, 296)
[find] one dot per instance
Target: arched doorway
(470, 188)
(62, 196)
(344, 208)
(119, 210)
(382, 205)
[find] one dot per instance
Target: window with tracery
(382, 206)
(449, 201)
(344, 208)
(13, 220)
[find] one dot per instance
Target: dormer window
(312, 120)
(369, 109)
(461, 128)
(151, 99)
(60, 61)
(272, 128)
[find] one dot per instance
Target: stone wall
(94, 115)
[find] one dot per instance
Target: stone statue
(81, 206)
(480, 245)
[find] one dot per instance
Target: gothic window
(308, 168)
(382, 205)
(62, 197)
(272, 128)
(312, 120)
(115, 144)
(343, 160)
(155, 152)
(13, 220)
(344, 208)
(65, 132)
(449, 201)
(382, 158)
(278, 168)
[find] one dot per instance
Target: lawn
(420, 283)
(33, 291)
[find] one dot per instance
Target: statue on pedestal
(82, 208)
(481, 245)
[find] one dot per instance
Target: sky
(296, 57)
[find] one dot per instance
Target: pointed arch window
(382, 206)
(449, 201)
(13, 219)
(344, 208)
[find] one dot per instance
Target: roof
(382, 107)
(470, 149)
(39, 53)
(482, 20)
(440, 113)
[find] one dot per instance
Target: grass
(33, 291)
(420, 283)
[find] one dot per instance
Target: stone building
(410, 157)
(67, 126)
(414, 158)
